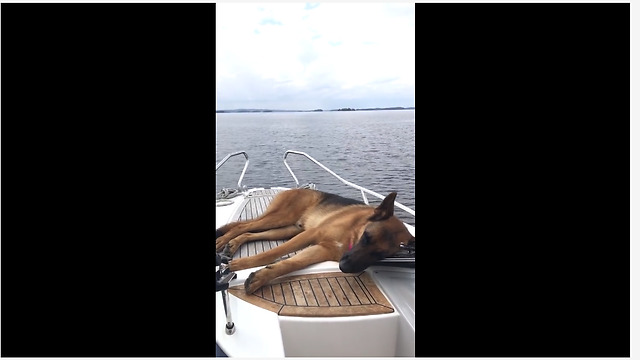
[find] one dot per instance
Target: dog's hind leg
(264, 223)
(286, 232)
(298, 242)
(311, 255)
(285, 209)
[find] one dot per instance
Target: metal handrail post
(246, 164)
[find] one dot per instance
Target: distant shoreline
(317, 110)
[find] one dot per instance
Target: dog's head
(383, 235)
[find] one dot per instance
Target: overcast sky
(305, 56)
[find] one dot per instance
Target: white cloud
(321, 55)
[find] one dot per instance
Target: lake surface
(373, 149)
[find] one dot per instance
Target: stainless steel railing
(363, 190)
(246, 164)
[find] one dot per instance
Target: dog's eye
(366, 239)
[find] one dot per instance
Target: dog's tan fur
(334, 228)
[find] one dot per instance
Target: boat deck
(319, 294)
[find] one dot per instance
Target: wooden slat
(341, 297)
(289, 299)
(298, 293)
(348, 291)
(278, 296)
(356, 287)
(309, 295)
(321, 298)
(267, 293)
(329, 294)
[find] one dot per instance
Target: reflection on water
(374, 149)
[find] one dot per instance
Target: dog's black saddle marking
(333, 199)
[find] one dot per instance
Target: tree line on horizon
(316, 110)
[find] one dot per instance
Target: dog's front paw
(230, 248)
(253, 283)
(220, 244)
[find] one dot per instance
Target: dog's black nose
(346, 266)
(342, 267)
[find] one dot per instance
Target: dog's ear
(385, 209)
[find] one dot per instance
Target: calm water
(374, 149)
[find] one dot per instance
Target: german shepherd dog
(336, 228)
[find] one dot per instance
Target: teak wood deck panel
(319, 295)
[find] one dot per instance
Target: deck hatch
(319, 295)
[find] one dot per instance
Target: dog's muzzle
(348, 266)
